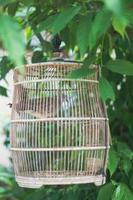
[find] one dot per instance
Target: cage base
(33, 182)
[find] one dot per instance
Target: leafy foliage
(106, 192)
(12, 38)
(64, 18)
(100, 25)
(121, 67)
(113, 160)
(106, 89)
(5, 67)
(81, 73)
(83, 31)
(122, 192)
(3, 91)
(96, 32)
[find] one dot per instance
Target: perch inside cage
(59, 129)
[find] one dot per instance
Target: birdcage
(59, 126)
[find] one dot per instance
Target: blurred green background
(98, 32)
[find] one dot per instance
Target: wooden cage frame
(59, 126)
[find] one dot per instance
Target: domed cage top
(59, 127)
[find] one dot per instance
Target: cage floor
(37, 182)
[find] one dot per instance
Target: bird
(94, 165)
(40, 107)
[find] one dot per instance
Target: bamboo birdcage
(59, 127)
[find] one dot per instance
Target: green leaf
(131, 181)
(5, 180)
(114, 6)
(11, 36)
(122, 192)
(100, 25)
(127, 165)
(106, 189)
(5, 2)
(120, 66)
(36, 194)
(83, 33)
(46, 24)
(81, 73)
(4, 193)
(106, 90)
(6, 174)
(124, 150)
(12, 8)
(129, 16)
(64, 18)
(68, 35)
(120, 18)
(5, 67)
(113, 160)
(120, 24)
(3, 91)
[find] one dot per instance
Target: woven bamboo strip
(61, 119)
(59, 149)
